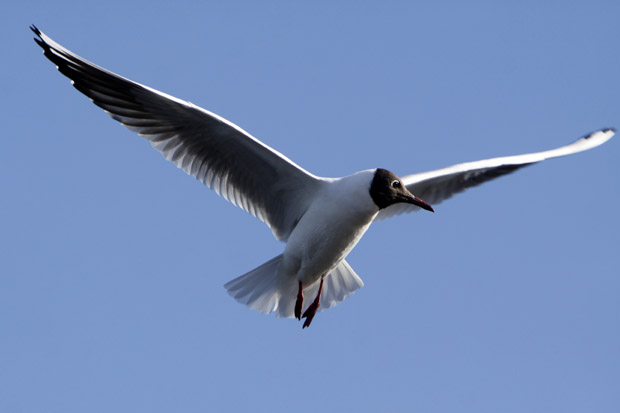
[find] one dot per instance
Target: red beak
(422, 204)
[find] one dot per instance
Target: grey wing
(441, 184)
(224, 157)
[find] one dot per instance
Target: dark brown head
(387, 189)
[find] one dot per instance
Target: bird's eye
(395, 184)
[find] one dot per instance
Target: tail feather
(262, 289)
(248, 288)
(341, 283)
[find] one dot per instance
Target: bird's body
(341, 212)
(321, 240)
(320, 219)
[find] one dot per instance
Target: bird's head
(387, 189)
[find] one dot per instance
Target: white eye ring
(395, 184)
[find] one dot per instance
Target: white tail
(263, 290)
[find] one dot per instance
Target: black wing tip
(39, 34)
(605, 130)
(39, 39)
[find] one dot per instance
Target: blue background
(112, 260)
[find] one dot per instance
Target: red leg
(299, 302)
(311, 311)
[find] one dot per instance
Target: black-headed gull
(319, 219)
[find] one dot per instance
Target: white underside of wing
(580, 145)
(217, 152)
(441, 184)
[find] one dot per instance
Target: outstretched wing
(436, 186)
(223, 156)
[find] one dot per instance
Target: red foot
(299, 302)
(311, 311)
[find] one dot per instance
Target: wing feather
(218, 153)
(436, 186)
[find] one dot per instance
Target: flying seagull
(319, 219)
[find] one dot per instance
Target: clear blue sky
(112, 260)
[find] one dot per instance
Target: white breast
(330, 228)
